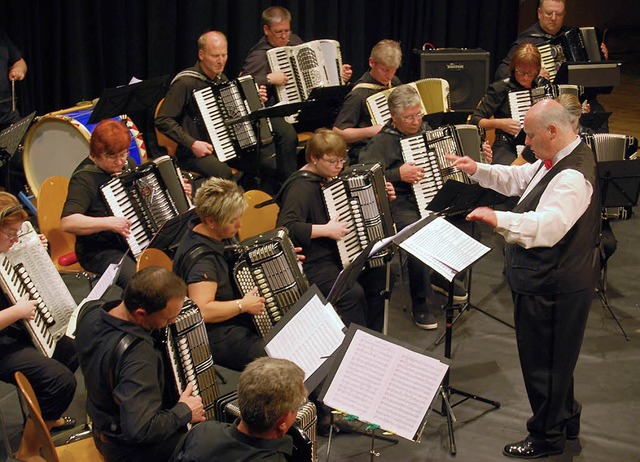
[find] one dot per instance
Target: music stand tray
(172, 230)
(619, 183)
(11, 136)
(456, 197)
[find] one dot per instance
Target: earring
(315, 163)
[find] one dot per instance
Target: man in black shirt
(124, 372)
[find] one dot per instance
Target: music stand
(172, 230)
(619, 187)
(456, 198)
(10, 139)
(134, 100)
(438, 119)
(327, 102)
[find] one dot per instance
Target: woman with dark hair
(51, 378)
(494, 112)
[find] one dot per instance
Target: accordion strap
(369, 86)
(186, 262)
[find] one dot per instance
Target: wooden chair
(257, 220)
(154, 257)
(53, 193)
(36, 444)
(164, 140)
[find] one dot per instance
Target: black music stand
(456, 198)
(619, 187)
(10, 139)
(134, 100)
(170, 233)
(326, 103)
(438, 119)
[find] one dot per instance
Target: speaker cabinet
(467, 72)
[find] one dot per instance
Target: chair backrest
(153, 257)
(36, 444)
(36, 439)
(257, 220)
(53, 194)
(164, 140)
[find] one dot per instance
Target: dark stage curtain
(75, 49)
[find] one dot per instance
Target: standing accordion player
(268, 261)
(434, 97)
(27, 270)
(220, 107)
(428, 149)
(358, 196)
(149, 196)
(575, 45)
(187, 352)
(310, 65)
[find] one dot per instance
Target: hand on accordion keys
(194, 403)
(119, 225)
(411, 173)
(334, 229)
(23, 309)
(252, 303)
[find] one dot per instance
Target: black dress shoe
(527, 449)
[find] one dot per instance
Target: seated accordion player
(149, 195)
(434, 96)
(358, 196)
(310, 65)
(303, 431)
(188, 354)
(428, 150)
(574, 45)
(27, 270)
(268, 261)
(521, 101)
(221, 104)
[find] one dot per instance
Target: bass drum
(59, 141)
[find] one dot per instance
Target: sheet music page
(385, 384)
(444, 248)
(107, 279)
(309, 338)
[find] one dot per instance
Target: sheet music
(444, 248)
(309, 338)
(107, 279)
(386, 384)
(32, 254)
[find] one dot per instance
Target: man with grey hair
(552, 266)
(270, 391)
(354, 121)
(406, 119)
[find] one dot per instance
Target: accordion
(428, 149)
(521, 101)
(303, 431)
(188, 353)
(358, 196)
(268, 261)
(27, 270)
(575, 45)
(220, 104)
(434, 96)
(611, 146)
(310, 65)
(149, 195)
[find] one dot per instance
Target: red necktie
(548, 163)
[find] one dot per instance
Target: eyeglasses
(12, 236)
(340, 161)
(412, 118)
(118, 156)
(528, 74)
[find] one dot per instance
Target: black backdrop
(76, 48)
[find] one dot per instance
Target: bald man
(552, 266)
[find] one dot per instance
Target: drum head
(54, 145)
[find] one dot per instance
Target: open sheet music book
(383, 382)
(308, 334)
(439, 244)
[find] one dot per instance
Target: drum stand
(447, 390)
